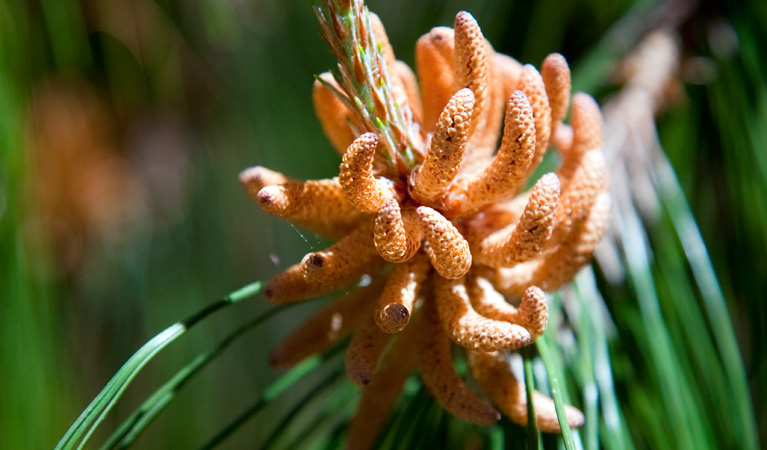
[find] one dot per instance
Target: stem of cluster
(366, 80)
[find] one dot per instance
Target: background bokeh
(124, 125)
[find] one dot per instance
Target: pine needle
(132, 427)
(532, 422)
(553, 370)
(90, 419)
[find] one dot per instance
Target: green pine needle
(713, 299)
(94, 414)
(274, 390)
(130, 429)
(553, 370)
(532, 422)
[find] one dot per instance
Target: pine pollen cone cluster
(436, 213)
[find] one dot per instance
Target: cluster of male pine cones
(422, 186)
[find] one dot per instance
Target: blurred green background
(124, 125)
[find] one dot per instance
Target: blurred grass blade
(101, 405)
(496, 438)
(152, 406)
(67, 31)
(553, 370)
